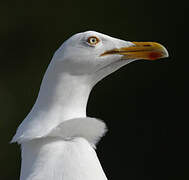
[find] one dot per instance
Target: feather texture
(57, 159)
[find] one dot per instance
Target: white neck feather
(56, 137)
(61, 97)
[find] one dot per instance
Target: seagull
(57, 138)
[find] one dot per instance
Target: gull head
(80, 62)
(97, 55)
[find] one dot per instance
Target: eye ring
(93, 40)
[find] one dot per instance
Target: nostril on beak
(146, 45)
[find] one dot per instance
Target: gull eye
(93, 40)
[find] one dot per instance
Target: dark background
(144, 104)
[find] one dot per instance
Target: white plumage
(56, 137)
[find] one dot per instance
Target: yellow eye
(93, 40)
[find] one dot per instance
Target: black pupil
(93, 40)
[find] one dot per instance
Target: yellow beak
(140, 50)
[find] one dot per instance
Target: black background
(144, 104)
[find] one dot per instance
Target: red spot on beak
(155, 55)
